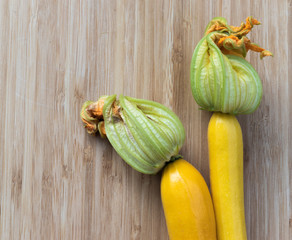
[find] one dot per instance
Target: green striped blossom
(144, 133)
(221, 79)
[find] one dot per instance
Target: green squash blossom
(221, 79)
(144, 133)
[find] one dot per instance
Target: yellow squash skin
(187, 203)
(226, 176)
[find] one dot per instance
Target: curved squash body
(226, 176)
(187, 203)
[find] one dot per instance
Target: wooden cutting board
(57, 182)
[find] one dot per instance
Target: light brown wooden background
(57, 182)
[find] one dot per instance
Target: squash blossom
(144, 133)
(221, 79)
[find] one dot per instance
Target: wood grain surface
(57, 182)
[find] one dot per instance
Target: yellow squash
(187, 203)
(226, 176)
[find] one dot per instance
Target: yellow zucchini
(226, 176)
(187, 203)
